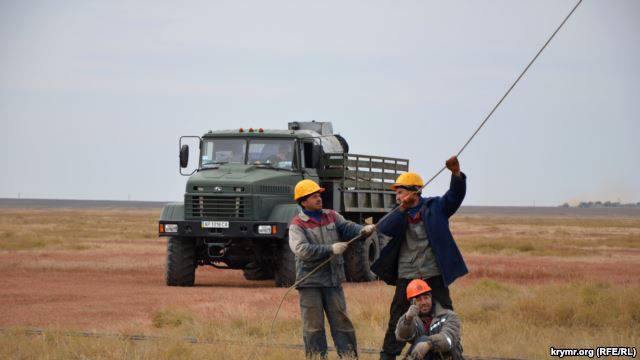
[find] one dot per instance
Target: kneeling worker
(433, 331)
(314, 235)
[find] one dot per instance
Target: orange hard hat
(417, 287)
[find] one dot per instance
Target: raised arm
(406, 327)
(452, 199)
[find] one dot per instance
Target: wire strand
(444, 167)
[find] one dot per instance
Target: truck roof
(265, 133)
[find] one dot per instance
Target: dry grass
(524, 321)
(500, 318)
(75, 229)
(546, 236)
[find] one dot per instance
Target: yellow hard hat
(408, 179)
(306, 187)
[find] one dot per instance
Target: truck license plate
(215, 224)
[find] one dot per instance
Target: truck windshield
(223, 151)
(276, 153)
(273, 153)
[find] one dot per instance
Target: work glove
(420, 350)
(412, 312)
(367, 230)
(339, 248)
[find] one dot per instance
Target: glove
(339, 248)
(420, 350)
(367, 230)
(412, 312)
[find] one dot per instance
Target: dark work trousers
(430, 355)
(392, 347)
(314, 303)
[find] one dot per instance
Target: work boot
(385, 356)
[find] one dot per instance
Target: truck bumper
(236, 229)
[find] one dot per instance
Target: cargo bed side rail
(365, 180)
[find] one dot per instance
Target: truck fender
(172, 212)
(283, 213)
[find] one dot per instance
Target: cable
(444, 167)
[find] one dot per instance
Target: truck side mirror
(186, 143)
(184, 156)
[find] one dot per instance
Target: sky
(95, 94)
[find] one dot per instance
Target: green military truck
(239, 200)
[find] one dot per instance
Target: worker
(421, 247)
(430, 328)
(315, 235)
(284, 157)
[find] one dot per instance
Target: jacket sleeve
(452, 199)
(392, 224)
(448, 336)
(347, 229)
(303, 249)
(405, 330)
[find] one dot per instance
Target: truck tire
(285, 271)
(359, 257)
(181, 262)
(257, 272)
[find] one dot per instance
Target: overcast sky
(94, 94)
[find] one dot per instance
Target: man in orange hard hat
(430, 328)
(421, 247)
(315, 235)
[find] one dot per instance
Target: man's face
(423, 302)
(402, 193)
(313, 202)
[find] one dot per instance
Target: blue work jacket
(435, 213)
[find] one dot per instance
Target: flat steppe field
(538, 278)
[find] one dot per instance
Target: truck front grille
(217, 207)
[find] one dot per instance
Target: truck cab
(238, 200)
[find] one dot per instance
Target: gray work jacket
(311, 242)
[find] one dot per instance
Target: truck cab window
(308, 154)
(276, 153)
(223, 151)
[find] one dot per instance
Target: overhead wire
(484, 121)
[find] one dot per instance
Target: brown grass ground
(533, 283)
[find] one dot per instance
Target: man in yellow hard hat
(421, 247)
(315, 235)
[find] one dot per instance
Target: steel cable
(444, 167)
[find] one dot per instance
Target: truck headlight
(171, 228)
(266, 229)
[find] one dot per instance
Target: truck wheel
(181, 262)
(359, 257)
(257, 272)
(285, 272)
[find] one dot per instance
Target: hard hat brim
(320, 190)
(396, 186)
(422, 293)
